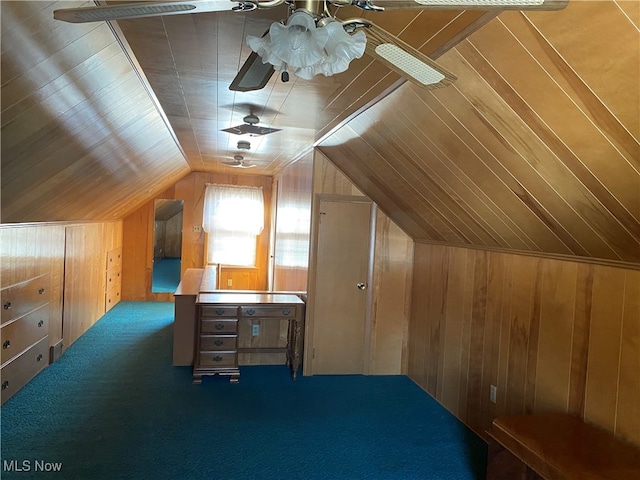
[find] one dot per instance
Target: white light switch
(255, 330)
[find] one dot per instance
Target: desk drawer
(218, 359)
(215, 311)
(218, 342)
(24, 332)
(219, 326)
(271, 311)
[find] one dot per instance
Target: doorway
(339, 295)
(167, 245)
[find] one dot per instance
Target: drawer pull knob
(39, 358)
(218, 343)
(251, 311)
(7, 305)
(41, 323)
(220, 311)
(286, 311)
(41, 291)
(217, 358)
(219, 326)
(6, 344)
(5, 384)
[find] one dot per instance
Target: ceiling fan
(238, 162)
(250, 126)
(313, 40)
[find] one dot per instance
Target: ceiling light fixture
(309, 44)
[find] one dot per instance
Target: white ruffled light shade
(307, 50)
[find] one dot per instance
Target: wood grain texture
(81, 137)
(530, 150)
(138, 234)
(85, 264)
(551, 335)
(292, 227)
(30, 251)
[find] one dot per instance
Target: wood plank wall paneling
(81, 138)
(392, 270)
(552, 335)
(75, 257)
(293, 225)
(138, 234)
(85, 274)
(29, 251)
(532, 149)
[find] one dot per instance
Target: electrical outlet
(493, 393)
(197, 229)
(255, 330)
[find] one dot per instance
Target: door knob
(362, 286)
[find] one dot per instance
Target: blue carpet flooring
(166, 275)
(113, 407)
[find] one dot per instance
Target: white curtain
(233, 216)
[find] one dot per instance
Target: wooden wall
(392, 270)
(138, 236)
(85, 266)
(292, 225)
(552, 335)
(75, 256)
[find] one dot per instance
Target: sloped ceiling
(97, 119)
(82, 138)
(535, 148)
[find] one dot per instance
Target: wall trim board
(553, 256)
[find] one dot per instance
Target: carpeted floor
(113, 407)
(166, 275)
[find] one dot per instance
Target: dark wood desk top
(561, 446)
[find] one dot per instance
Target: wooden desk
(219, 315)
(184, 322)
(557, 447)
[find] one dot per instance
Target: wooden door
(340, 295)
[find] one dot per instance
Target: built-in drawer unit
(23, 368)
(24, 334)
(113, 282)
(24, 297)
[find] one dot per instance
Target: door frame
(318, 198)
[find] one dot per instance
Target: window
(233, 217)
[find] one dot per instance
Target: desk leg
(293, 347)
(503, 465)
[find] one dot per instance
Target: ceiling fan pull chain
(284, 76)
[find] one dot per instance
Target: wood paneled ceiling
(190, 61)
(535, 147)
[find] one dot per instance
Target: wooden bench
(557, 447)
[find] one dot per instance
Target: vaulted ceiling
(534, 148)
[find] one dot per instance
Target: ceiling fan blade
(148, 9)
(253, 75)
(401, 57)
(464, 4)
